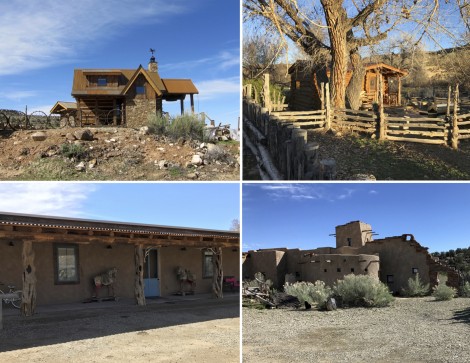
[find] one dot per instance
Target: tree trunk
(336, 19)
(218, 273)
(139, 275)
(28, 303)
(354, 89)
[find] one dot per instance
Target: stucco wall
(95, 259)
(271, 263)
(358, 233)
(330, 268)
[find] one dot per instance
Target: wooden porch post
(218, 273)
(182, 106)
(139, 275)
(192, 102)
(382, 121)
(28, 303)
(399, 92)
(114, 112)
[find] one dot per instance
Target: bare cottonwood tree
(349, 24)
(260, 52)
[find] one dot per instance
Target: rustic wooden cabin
(126, 96)
(306, 84)
(54, 260)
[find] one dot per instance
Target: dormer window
(140, 90)
(102, 82)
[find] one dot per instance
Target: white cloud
(37, 34)
(55, 199)
(225, 59)
(373, 192)
(293, 191)
(216, 87)
(17, 95)
(346, 194)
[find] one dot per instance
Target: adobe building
(392, 260)
(57, 258)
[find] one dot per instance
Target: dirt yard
(114, 154)
(198, 330)
(411, 330)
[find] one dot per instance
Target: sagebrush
(465, 290)
(443, 292)
(188, 126)
(415, 287)
(362, 290)
(76, 151)
(313, 293)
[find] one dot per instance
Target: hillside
(112, 153)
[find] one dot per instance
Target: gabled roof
(61, 106)
(152, 78)
(165, 87)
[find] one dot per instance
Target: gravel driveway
(411, 330)
(175, 330)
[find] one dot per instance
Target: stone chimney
(153, 65)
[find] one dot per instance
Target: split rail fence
(282, 134)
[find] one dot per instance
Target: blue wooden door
(151, 278)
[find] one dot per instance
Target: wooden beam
(139, 275)
(192, 102)
(28, 302)
(182, 106)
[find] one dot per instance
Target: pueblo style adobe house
(56, 260)
(122, 96)
(392, 260)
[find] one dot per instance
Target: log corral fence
(278, 137)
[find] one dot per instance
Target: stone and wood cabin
(392, 260)
(54, 260)
(124, 96)
(306, 82)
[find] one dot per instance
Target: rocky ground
(202, 330)
(113, 154)
(411, 330)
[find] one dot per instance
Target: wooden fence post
(218, 273)
(28, 302)
(267, 95)
(322, 97)
(382, 121)
(139, 275)
(328, 107)
(448, 102)
(455, 125)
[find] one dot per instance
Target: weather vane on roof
(152, 51)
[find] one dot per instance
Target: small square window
(325, 270)
(140, 90)
(338, 269)
(352, 269)
(389, 279)
(349, 241)
(66, 264)
(414, 270)
(207, 269)
(366, 270)
(102, 82)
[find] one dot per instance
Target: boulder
(196, 160)
(331, 304)
(144, 130)
(85, 135)
(80, 166)
(69, 136)
(39, 136)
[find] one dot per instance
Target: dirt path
(204, 330)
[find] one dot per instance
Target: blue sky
(304, 215)
(198, 205)
(41, 42)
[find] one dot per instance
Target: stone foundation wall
(138, 111)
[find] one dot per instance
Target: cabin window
(414, 270)
(207, 269)
(66, 264)
(140, 90)
(102, 82)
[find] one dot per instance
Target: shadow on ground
(462, 316)
(65, 323)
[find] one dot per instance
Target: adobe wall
(271, 263)
(357, 232)
(398, 258)
(332, 267)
